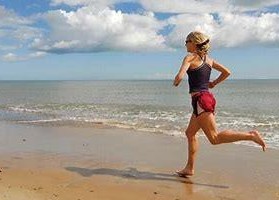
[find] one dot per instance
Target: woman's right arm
(184, 67)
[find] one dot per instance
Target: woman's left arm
(225, 72)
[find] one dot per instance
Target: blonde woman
(198, 66)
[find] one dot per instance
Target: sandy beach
(43, 162)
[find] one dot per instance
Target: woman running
(198, 66)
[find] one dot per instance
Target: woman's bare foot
(185, 172)
(258, 139)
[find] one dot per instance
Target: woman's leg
(207, 122)
(190, 132)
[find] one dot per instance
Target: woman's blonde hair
(200, 40)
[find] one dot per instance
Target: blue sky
(133, 39)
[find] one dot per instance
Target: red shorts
(203, 102)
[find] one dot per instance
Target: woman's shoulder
(209, 60)
(193, 57)
(190, 57)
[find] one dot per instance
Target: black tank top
(198, 78)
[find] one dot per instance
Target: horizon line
(124, 79)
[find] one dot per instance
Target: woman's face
(191, 47)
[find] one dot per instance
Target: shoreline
(102, 125)
(113, 163)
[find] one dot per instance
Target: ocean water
(152, 106)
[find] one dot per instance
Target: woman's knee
(190, 134)
(214, 140)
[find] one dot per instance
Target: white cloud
(228, 30)
(96, 26)
(36, 54)
(78, 2)
(9, 18)
(245, 5)
(90, 29)
(24, 33)
(16, 27)
(15, 30)
(18, 36)
(113, 30)
(182, 6)
(95, 3)
(240, 30)
(185, 23)
(205, 6)
(11, 57)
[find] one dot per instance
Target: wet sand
(110, 163)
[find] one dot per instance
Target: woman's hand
(176, 81)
